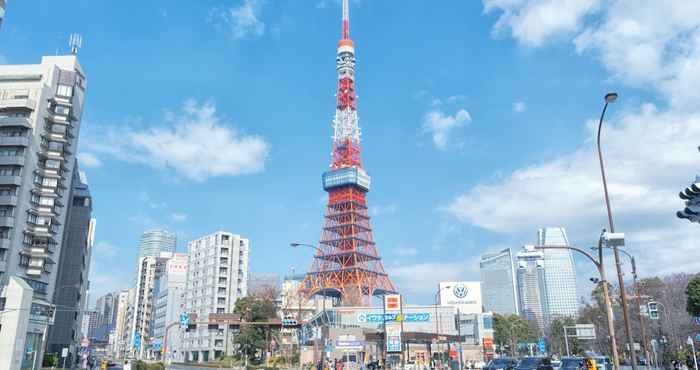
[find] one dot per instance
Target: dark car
(535, 363)
(572, 363)
(502, 363)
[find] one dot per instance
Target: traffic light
(653, 310)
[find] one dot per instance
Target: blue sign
(29, 349)
(697, 337)
(137, 340)
(156, 345)
(184, 320)
(697, 320)
(460, 291)
(393, 344)
(388, 317)
(541, 345)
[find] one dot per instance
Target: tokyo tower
(347, 264)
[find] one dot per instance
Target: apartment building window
(10, 171)
(221, 300)
(222, 280)
(60, 109)
(224, 251)
(5, 191)
(64, 90)
(223, 270)
(23, 260)
(5, 233)
(58, 129)
(56, 146)
(11, 152)
(221, 291)
(12, 133)
(223, 260)
(3, 254)
(46, 201)
(6, 211)
(220, 310)
(49, 182)
(52, 163)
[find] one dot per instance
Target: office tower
(531, 288)
(2, 11)
(170, 303)
(217, 276)
(73, 268)
(40, 110)
(89, 324)
(498, 286)
(154, 241)
(106, 306)
(148, 271)
(560, 275)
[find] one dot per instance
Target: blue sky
(476, 117)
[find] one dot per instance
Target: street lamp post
(638, 294)
(606, 294)
(323, 293)
(691, 343)
(437, 317)
(609, 98)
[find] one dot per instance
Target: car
(535, 363)
(501, 363)
(572, 363)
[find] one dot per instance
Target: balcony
(5, 243)
(12, 160)
(7, 221)
(15, 122)
(14, 141)
(11, 180)
(23, 103)
(8, 200)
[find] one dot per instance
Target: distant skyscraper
(2, 11)
(531, 292)
(150, 269)
(89, 324)
(498, 288)
(154, 241)
(560, 275)
(169, 305)
(106, 306)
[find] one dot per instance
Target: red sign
(453, 354)
(392, 302)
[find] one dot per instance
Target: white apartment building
(121, 327)
(40, 110)
(217, 276)
(148, 271)
(169, 304)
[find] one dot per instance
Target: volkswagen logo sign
(460, 291)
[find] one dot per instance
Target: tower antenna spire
(346, 20)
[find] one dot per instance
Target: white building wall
(217, 276)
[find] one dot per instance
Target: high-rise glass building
(531, 288)
(154, 241)
(498, 288)
(560, 275)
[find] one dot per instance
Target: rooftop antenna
(75, 42)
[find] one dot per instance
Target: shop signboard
(393, 338)
(390, 317)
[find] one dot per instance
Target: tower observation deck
(347, 264)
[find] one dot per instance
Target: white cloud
(89, 160)
(650, 43)
(388, 209)
(519, 106)
(406, 251)
(440, 125)
(241, 21)
(105, 249)
(178, 217)
(196, 143)
(534, 22)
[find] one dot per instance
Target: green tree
(509, 330)
(252, 341)
(692, 293)
(557, 342)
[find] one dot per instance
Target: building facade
(155, 241)
(89, 323)
(170, 303)
(40, 110)
(217, 277)
(560, 275)
(150, 269)
(2, 11)
(499, 291)
(122, 328)
(531, 288)
(73, 269)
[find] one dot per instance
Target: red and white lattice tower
(347, 264)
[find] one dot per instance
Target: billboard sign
(392, 302)
(463, 295)
(390, 317)
(393, 338)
